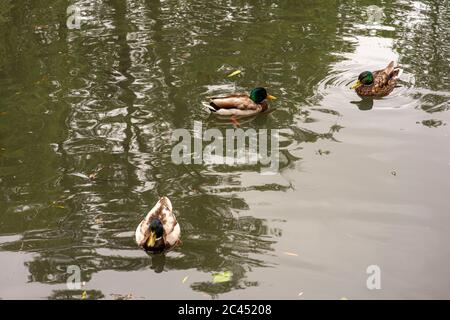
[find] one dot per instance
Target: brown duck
(379, 83)
(159, 231)
(241, 104)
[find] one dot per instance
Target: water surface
(361, 182)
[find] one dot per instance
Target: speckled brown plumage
(384, 82)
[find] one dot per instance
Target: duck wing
(166, 216)
(235, 101)
(382, 77)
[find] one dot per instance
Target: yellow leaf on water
(56, 205)
(234, 73)
(185, 279)
(291, 254)
(222, 277)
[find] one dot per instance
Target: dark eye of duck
(157, 227)
(258, 95)
(366, 78)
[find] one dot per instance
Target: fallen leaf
(234, 73)
(291, 254)
(84, 295)
(122, 296)
(185, 279)
(323, 152)
(94, 174)
(56, 205)
(222, 277)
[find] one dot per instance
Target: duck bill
(151, 240)
(357, 84)
(271, 97)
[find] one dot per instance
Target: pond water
(360, 182)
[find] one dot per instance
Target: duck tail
(213, 107)
(396, 72)
(390, 68)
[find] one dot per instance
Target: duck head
(364, 79)
(259, 94)
(156, 232)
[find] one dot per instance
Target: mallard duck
(241, 104)
(379, 83)
(159, 231)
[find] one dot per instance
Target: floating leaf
(291, 254)
(94, 174)
(323, 152)
(222, 276)
(98, 221)
(56, 205)
(84, 295)
(234, 73)
(185, 279)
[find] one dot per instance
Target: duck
(241, 104)
(160, 230)
(379, 83)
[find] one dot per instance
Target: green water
(360, 182)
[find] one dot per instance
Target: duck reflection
(365, 104)
(158, 262)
